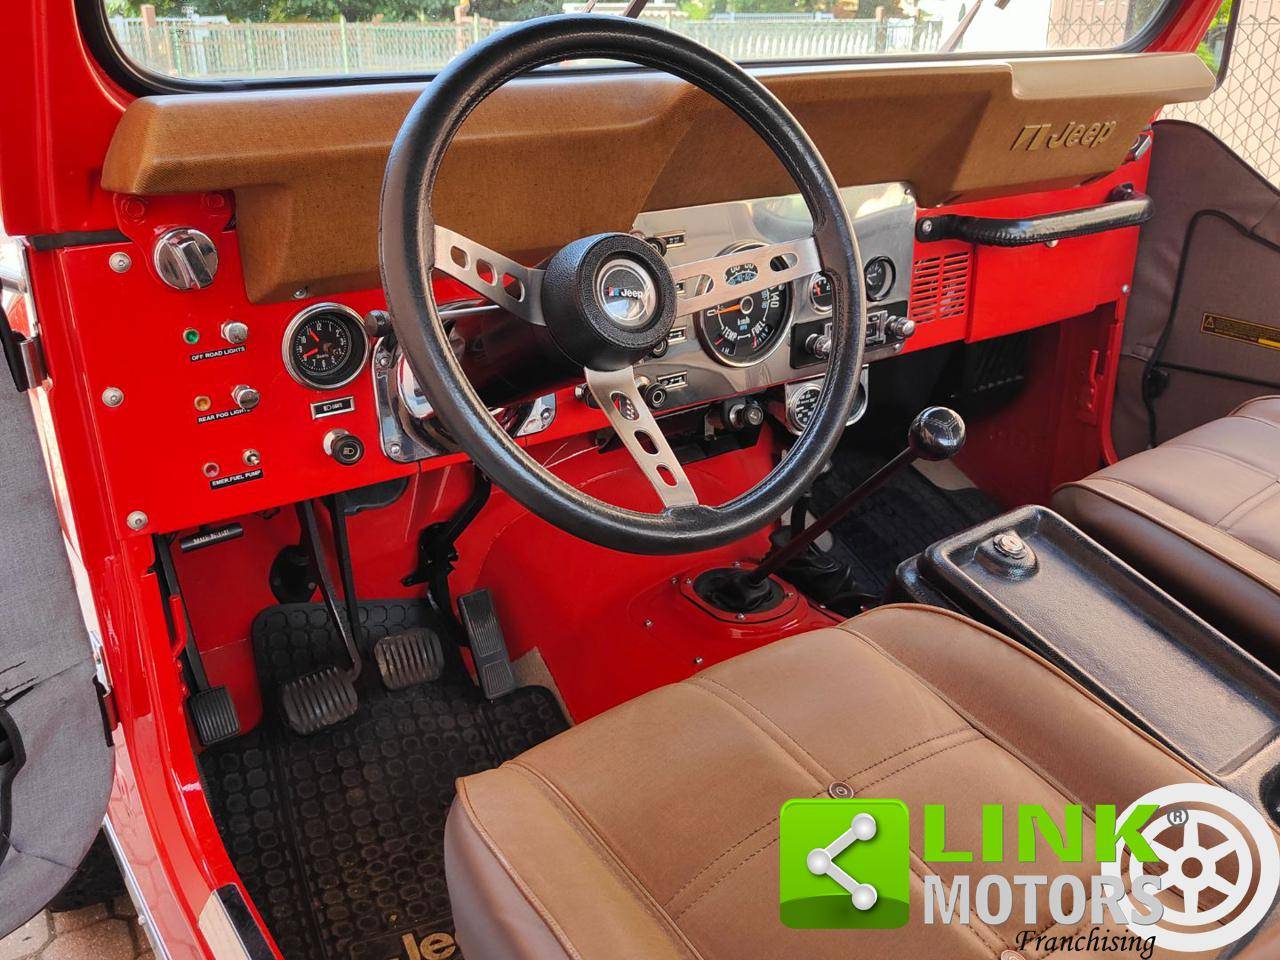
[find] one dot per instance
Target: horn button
(608, 300)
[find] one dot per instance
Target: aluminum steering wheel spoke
(511, 285)
(619, 397)
(707, 283)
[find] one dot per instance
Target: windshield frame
(135, 79)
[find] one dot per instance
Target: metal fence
(193, 49)
(1245, 110)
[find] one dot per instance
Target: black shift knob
(937, 433)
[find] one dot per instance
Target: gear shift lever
(937, 433)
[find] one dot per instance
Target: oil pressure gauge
(325, 346)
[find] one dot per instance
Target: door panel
(1202, 333)
(55, 761)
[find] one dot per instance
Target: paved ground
(102, 932)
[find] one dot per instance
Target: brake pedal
(409, 658)
(213, 713)
(318, 700)
(488, 646)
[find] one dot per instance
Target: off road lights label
(216, 354)
(844, 864)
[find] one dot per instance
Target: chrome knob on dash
(185, 258)
(819, 345)
(245, 397)
(900, 328)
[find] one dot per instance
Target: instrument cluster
(781, 334)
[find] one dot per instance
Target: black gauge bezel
(360, 340)
(881, 293)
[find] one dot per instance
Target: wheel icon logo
(1219, 869)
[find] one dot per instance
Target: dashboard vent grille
(940, 287)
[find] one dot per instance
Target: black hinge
(22, 354)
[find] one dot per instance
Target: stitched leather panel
(657, 821)
(1200, 514)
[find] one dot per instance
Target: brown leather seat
(650, 832)
(1200, 515)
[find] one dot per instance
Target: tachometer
(325, 346)
(741, 332)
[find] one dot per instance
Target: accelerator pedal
(318, 700)
(213, 713)
(409, 658)
(488, 646)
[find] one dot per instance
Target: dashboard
(207, 406)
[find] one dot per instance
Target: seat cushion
(651, 831)
(1200, 514)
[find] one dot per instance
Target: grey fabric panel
(46, 683)
(1174, 418)
(1233, 275)
(1191, 171)
(59, 796)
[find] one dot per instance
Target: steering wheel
(605, 301)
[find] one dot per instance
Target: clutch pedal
(328, 695)
(409, 658)
(488, 646)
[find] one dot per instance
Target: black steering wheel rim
(407, 254)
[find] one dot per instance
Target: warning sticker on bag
(1242, 330)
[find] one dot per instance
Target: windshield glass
(233, 39)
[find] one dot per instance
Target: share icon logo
(821, 861)
(844, 864)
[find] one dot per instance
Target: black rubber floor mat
(897, 521)
(339, 835)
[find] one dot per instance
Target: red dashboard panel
(153, 357)
(155, 352)
(963, 291)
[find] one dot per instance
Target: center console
(1038, 579)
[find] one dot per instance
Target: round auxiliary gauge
(879, 274)
(744, 331)
(820, 295)
(325, 346)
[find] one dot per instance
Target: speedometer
(743, 331)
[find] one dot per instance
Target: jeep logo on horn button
(627, 293)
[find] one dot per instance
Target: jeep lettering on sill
(1071, 134)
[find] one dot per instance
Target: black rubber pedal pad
(409, 658)
(213, 713)
(488, 645)
(318, 700)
